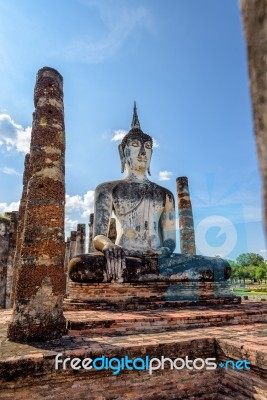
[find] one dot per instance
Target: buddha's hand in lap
(115, 261)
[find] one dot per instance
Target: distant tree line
(249, 266)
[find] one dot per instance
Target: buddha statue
(146, 231)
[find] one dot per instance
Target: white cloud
(119, 23)
(165, 175)
(83, 204)
(118, 135)
(263, 251)
(5, 207)
(13, 136)
(78, 208)
(155, 143)
(70, 224)
(88, 203)
(10, 171)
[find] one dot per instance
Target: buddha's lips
(142, 159)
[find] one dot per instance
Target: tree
(246, 259)
(260, 273)
(251, 270)
(232, 263)
(234, 270)
(239, 272)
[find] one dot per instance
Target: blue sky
(183, 61)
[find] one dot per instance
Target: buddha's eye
(135, 143)
(148, 145)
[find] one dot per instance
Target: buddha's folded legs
(91, 268)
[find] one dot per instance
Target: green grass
(246, 291)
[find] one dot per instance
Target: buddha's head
(136, 148)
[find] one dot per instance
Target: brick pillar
(67, 253)
(66, 262)
(14, 219)
(38, 313)
(73, 237)
(20, 231)
(4, 247)
(254, 13)
(186, 221)
(91, 247)
(80, 239)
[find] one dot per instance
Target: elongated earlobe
(148, 170)
(122, 158)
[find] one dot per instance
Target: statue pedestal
(147, 295)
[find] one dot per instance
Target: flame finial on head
(135, 122)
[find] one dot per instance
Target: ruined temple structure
(20, 228)
(40, 284)
(186, 221)
(8, 236)
(91, 228)
(139, 255)
(254, 13)
(143, 302)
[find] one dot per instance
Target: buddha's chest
(138, 202)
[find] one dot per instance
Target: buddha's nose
(142, 151)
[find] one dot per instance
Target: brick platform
(96, 323)
(27, 371)
(146, 295)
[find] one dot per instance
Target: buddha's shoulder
(162, 189)
(108, 186)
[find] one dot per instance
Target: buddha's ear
(122, 158)
(148, 170)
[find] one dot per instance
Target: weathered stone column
(112, 234)
(255, 25)
(38, 313)
(67, 253)
(20, 231)
(80, 239)
(14, 219)
(66, 262)
(4, 247)
(73, 237)
(186, 221)
(91, 247)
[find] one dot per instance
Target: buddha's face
(138, 154)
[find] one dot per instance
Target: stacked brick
(80, 239)
(186, 221)
(91, 247)
(22, 207)
(40, 286)
(4, 246)
(67, 258)
(255, 26)
(73, 237)
(75, 244)
(14, 221)
(8, 233)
